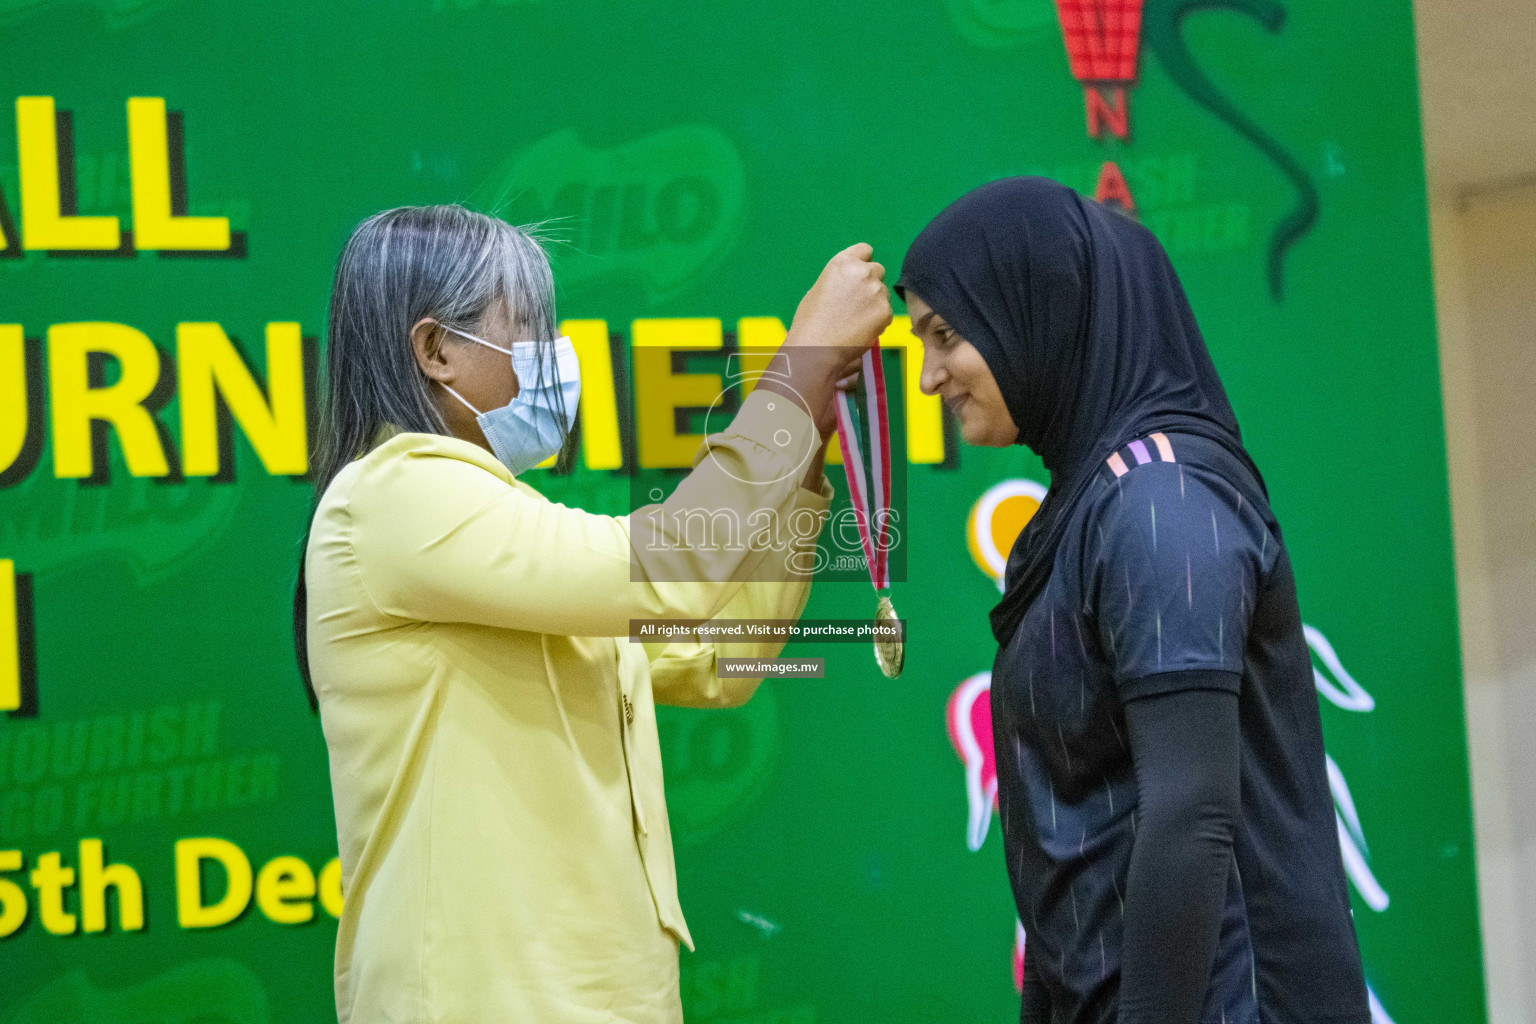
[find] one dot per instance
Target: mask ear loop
(460, 397)
(480, 341)
(514, 354)
(471, 337)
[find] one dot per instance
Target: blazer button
(629, 710)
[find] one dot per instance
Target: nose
(932, 375)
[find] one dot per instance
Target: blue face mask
(531, 428)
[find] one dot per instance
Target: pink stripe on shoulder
(1117, 464)
(1164, 449)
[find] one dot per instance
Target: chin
(978, 435)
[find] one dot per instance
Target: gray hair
(446, 263)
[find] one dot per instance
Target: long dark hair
(446, 263)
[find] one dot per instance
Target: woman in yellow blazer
(494, 761)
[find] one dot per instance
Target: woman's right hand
(835, 324)
(846, 309)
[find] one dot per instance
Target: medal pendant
(889, 654)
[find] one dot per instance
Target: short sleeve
(1174, 563)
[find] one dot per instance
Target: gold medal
(889, 654)
(870, 495)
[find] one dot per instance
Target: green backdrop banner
(183, 178)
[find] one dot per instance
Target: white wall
(1484, 241)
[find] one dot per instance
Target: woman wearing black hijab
(1167, 821)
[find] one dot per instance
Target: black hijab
(1082, 321)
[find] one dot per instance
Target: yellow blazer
(494, 762)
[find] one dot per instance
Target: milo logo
(998, 24)
(717, 762)
(660, 210)
(153, 525)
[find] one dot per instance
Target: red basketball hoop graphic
(1103, 40)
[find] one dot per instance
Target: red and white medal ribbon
(870, 491)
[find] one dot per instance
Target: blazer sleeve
(683, 671)
(439, 539)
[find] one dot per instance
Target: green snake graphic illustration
(1162, 31)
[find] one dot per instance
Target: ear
(427, 343)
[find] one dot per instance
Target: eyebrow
(922, 323)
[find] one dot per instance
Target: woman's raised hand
(846, 309)
(835, 324)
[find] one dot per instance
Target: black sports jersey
(1171, 576)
